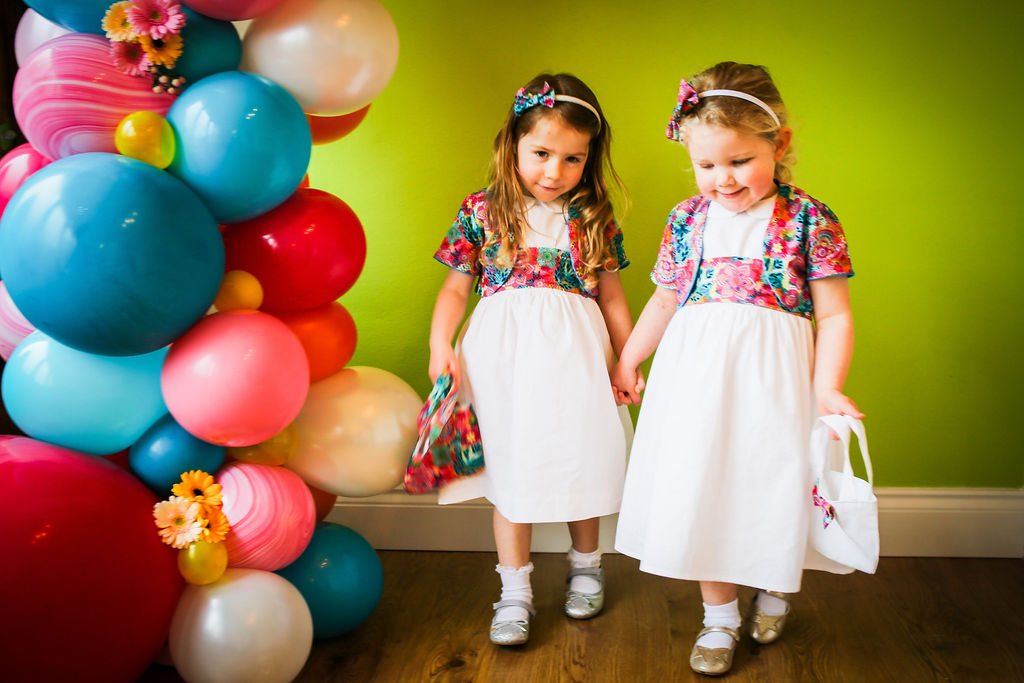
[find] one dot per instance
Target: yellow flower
(178, 520)
(164, 51)
(217, 525)
(198, 486)
(116, 24)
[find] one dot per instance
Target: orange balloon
(323, 501)
(330, 128)
(327, 334)
(238, 290)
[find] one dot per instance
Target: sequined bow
(686, 101)
(525, 100)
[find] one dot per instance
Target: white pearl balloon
(333, 56)
(33, 30)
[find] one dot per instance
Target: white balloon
(357, 430)
(249, 625)
(333, 56)
(34, 30)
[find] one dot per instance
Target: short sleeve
(665, 268)
(827, 251)
(460, 248)
(616, 253)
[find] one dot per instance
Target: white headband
(743, 96)
(547, 97)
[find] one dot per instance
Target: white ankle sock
(515, 585)
(720, 615)
(771, 605)
(578, 560)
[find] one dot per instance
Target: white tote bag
(844, 518)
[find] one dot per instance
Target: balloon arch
(176, 353)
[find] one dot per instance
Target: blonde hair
(506, 202)
(736, 113)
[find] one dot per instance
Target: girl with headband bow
(544, 250)
(752, 324)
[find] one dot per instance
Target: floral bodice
(803, 241)
(463, 249)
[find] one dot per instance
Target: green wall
(906, 118)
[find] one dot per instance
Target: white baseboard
(913, 522)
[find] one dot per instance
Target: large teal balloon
(91, 403)
(84, 16)
(340, 576)
(242, 143)
(109, 255)
(211, 46)
(166, 450)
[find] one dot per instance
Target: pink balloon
(232, 10)
(15, 167)
(69, 97)
(13, 325)
(236, 378)
(271, 512)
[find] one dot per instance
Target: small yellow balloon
(276, 450)
(146, 136)
(203, 562)
(238, 289)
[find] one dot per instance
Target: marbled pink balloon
(15, 168)
(13, 325)
(69, 97)
(271, 512)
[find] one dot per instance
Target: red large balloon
(307, 252)
(88, 587)
(330, 128)
(327, 334)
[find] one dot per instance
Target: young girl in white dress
(543, 247)
(752, 324)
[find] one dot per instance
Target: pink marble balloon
(271, 512)
(69, 97)
(15, 167)
(13, 325)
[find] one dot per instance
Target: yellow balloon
(146, 136)
(276, 450)
(203, 562)
(239, 289)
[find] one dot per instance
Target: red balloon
(327, 334)
(330, 128)
(89, 588)
(15, 167)
(323, 501)
(306, 253)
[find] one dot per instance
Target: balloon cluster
(169, 302)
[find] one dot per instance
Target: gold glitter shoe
(714, 661)
(764, 628)
(513, 631)
(584, 605)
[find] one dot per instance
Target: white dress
(535, 364)
(718, 477)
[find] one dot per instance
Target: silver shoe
(764, 628)
(584, 605)
(513, 631)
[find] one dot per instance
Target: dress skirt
(718, 482)
(535, 366)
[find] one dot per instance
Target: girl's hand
(441, 359)
(834, 402)
(628, 383)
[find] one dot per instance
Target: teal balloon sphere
(166, 450)
(86, 402)
(212, 46)
(340, 576)
(84, 16)
(109, 255)
(242, 143)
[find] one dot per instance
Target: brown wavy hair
(732, 112)
(506, 201)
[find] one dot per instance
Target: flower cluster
(146, 39)
(193, 512)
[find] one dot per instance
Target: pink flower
(178, 521)
(155, 18)
(130, 58)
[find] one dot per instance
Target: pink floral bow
(525, 100)
(687, 100)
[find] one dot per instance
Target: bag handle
(842, 425)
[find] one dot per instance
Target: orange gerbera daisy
(217, 526)
(162, 51)
(116, 24)
(198, 486)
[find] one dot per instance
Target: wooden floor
(915, 620)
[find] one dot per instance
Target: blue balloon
(90, 403)
(166, 450)
(242, 143)
(109, 255)
(211, 46)
(340, 576)
(84, 16)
